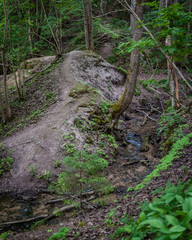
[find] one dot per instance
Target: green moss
(146, 143)
(78, 90)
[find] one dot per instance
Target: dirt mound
(40, 144)
(26, 69)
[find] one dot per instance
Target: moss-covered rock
(78, 90)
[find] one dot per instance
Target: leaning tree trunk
(88, 25)
(4, 61)
(119, 107)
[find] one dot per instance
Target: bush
(167, 217)
(83, 172)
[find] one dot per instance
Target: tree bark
(29, 34)
(173, 80)
(119, 107)
(88, 25)
(132, 18)
(4, 61)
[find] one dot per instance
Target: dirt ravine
(40, 144)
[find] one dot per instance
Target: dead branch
(8, 224)
(69, 196)
(147, 115)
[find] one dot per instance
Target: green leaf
(179, 198)
(125, 220)
(125, 229)
(160, 210)
(169, 197)
(154, 222)
(175, 235)
(188, 217)
(172, 220)
(177, 228)
(187, 204)
(142, 217)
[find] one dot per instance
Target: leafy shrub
(5, 164)
(169, 121)
(168, 217)
(82, 173)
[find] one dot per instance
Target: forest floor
(38, 143)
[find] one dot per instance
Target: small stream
(132, 164)
(15, 208)
(134, 140)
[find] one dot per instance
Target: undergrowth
(173, 154)
(61, 234)
(5, 159)
(167, 217)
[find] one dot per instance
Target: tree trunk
(170, 75)
(29, 34)
(88, 25)
(132, 18)
(4, 61)
(119, 107)
(173, 80)
(2, 109)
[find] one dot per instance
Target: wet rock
(133, 139)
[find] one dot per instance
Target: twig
(44, 39)
(105, 14)
(147, 115)
(69, 196)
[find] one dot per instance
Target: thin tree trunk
(176, 89)
(119, 107)
(132, 18)
(173, 80)
(17, 86)
(4, 61)
(88, 25)
(170, 75)
(29, 35)
(2, 108)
